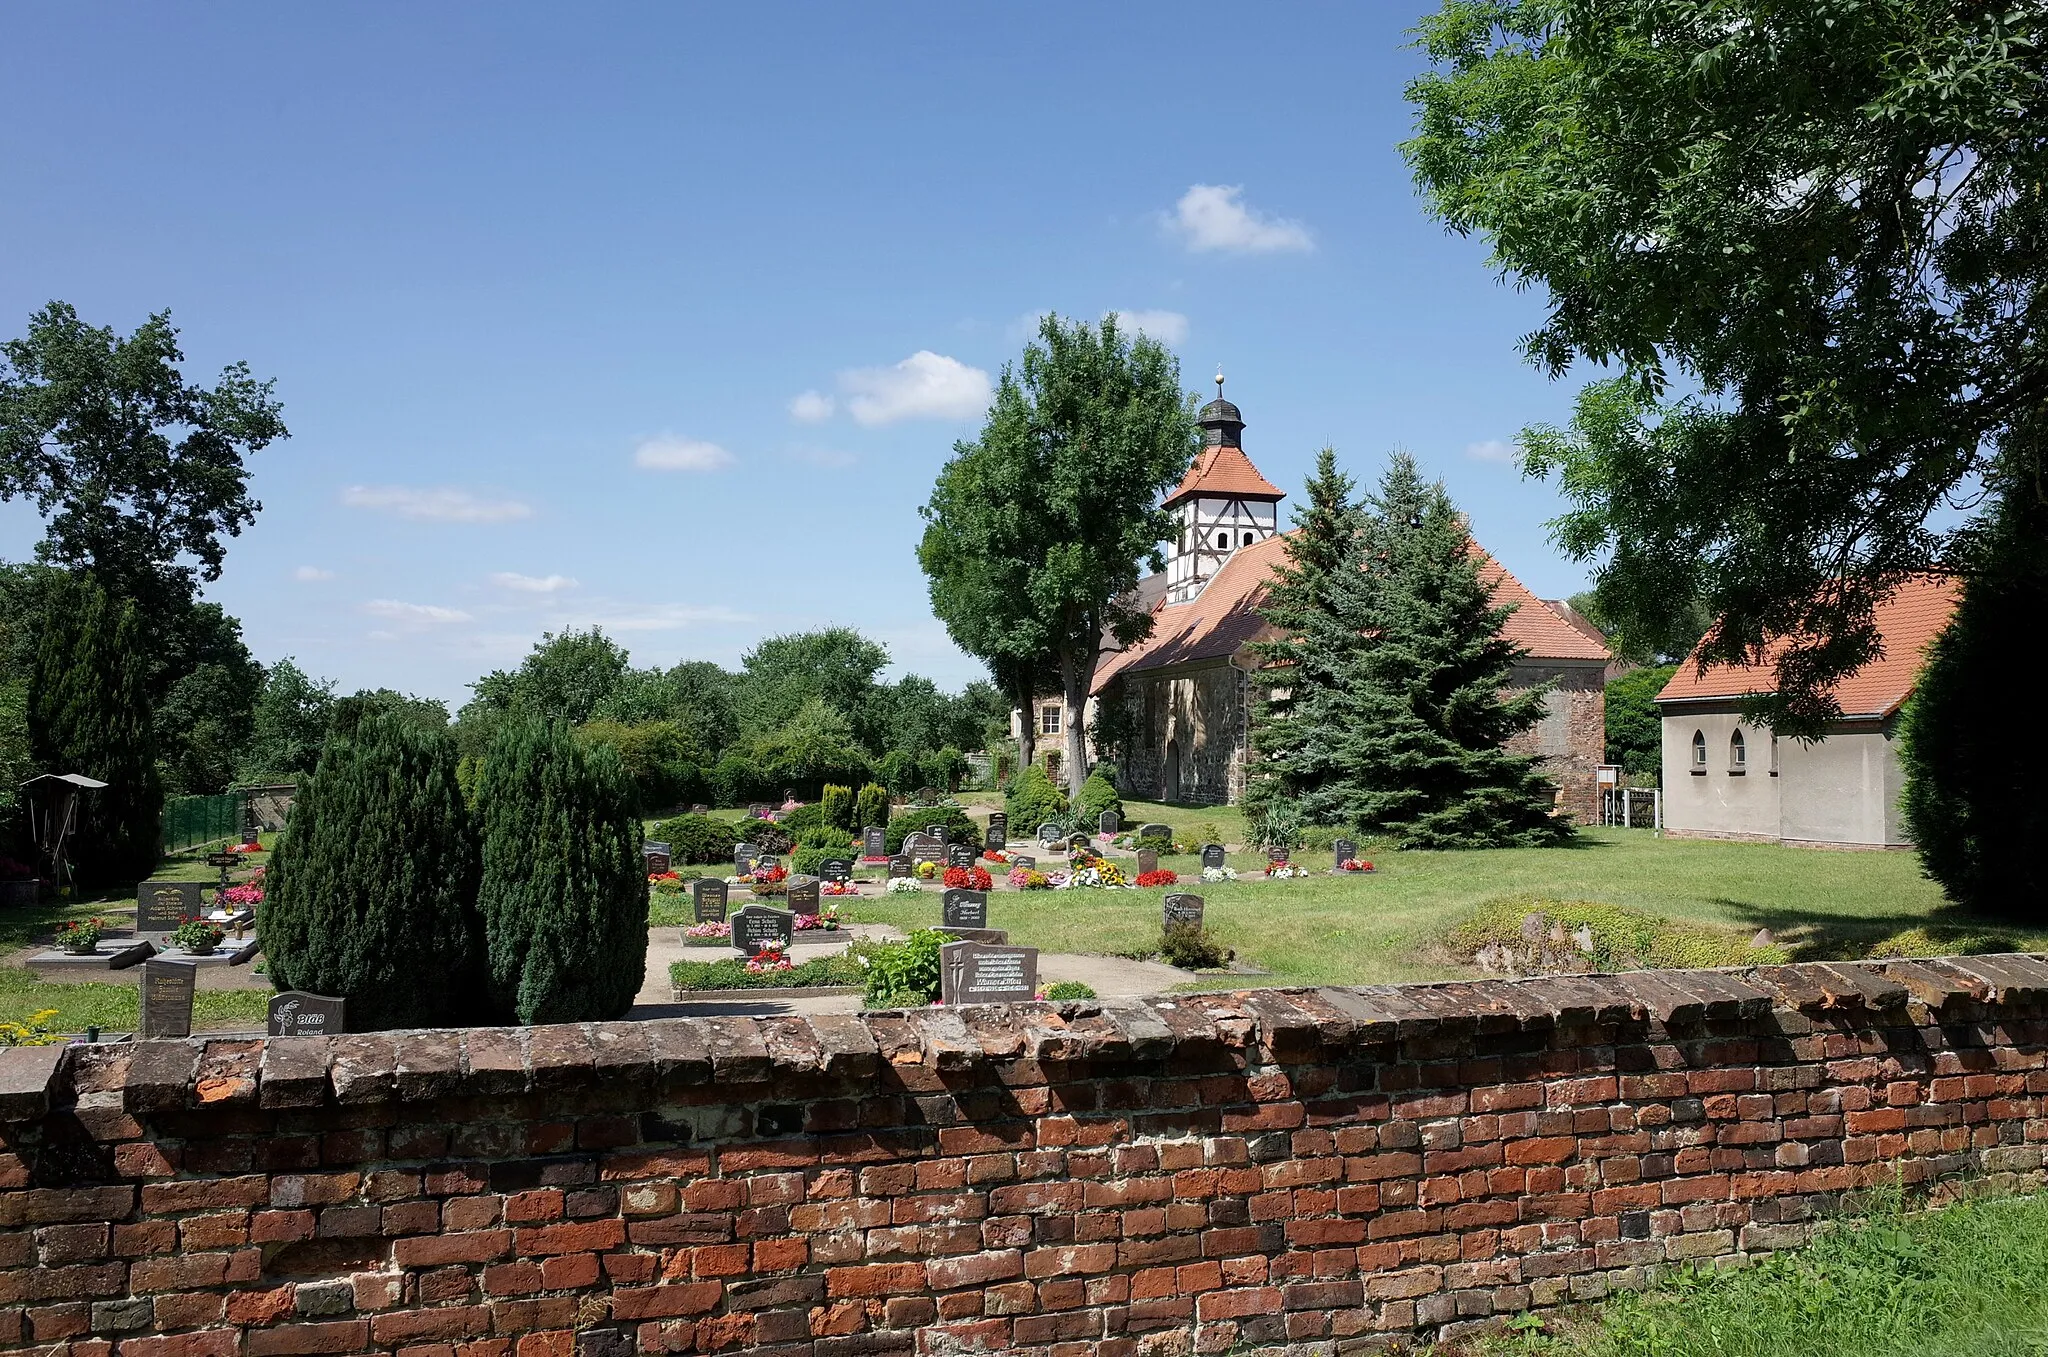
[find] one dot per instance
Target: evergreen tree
(88, 712)
(563, 897)
(1297, 684)
(1974, 802)
(1416, 743)
(372, 893)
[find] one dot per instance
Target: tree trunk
(1077, 673)
(1027, 726)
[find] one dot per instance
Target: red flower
(968, 878)
(1162, 877)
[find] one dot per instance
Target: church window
(1699, 752)
(1223, 541)
(1247, 540)
(1049, 719)
(1738, 755)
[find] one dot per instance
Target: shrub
(903, 974)
(732, 973)
(696, 838)
(562, 895)
(1317, 839)
(959, 829)
(1590, 935)
(769, 838)
(836, 804)
(1032, 800)
(1192, 947)
(1098, 794)
(372, 895)
(815, 845)
(1280, 826)
(659, 757)
(871, 807)
(898, 771)
(1069, 989)
(1635, 728)
(1156, 843)
(944, 770)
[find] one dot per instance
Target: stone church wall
(1202, 712)
(1572, 737)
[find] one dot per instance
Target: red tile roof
(1906, 622)
(1225, 472)
(1225, 615)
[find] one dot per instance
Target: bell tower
(1222, 505)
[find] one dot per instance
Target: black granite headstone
(836, 869)
(964, 909)
(803, 895)
(925, 849)
(999, 827)
(167, 998)
(1183, 909)
(937, 832)
(707, 894)
(961, 855)
(1214, 856)
(994, 838)
(755, 927)
(246, 953)
(1277, 855)
(654, 856)
(977, 973)
(298, 1014)
(1024, 860)
(161, 906)
(1155, 831)
(874, 842)
(131, 956)
(1346, 850)
(1050, 834)
(1109, 822)
(901, 866)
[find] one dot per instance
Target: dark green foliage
(735, 781)
(696, 839)
(804, 819)
(905, 974)
(1098, 794)
(871, 808)
(1975, 802)
(943, 770)
(958, 828)
(562, 895)
(1635, 732)
(1066, 990)
(815, 845)
(372, 893)
(732, 973)
(836, 803)
(1032, 800)
(290, 720)
(659, 758)
(1192, 947)
(898, 771)
(88, 712)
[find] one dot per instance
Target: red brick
(290, 1340)
(477, 1246)
(592, 1236)
(667, 1301)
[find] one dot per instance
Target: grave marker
(1214, 856)
(1181, 908)
(964, 909)
(754, 927)
(743, 855)
(998, 828)
(131, 956)
(167, 998)
(1345, 850)
(1276, 856)
(1155, 831)
(246, 953)
(874, 842)
(1050, 834)
(994, 839)
(977, 973)
(161, 906)
(654, 856)
(836, 869)
(961, 855)
(927, 796)
(707, 894)
(1109, 822)
(901, 866)
(936, 832)
(1148, 861)
(298, 1014)
(925, 849)
(1024, 860)
(758, 811)
(803, 895)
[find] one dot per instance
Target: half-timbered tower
(1222, 505)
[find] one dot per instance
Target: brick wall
(1183, 1174)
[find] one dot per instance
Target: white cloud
(1168, 327)
(1214, 217)
(925, 385)
(532, 584)
(652, 616)
(811, 407)
(1493, 450)
(414, 614)
(444, 504)
(669, 453)
(308, 574)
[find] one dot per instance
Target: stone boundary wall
(1320, 1170)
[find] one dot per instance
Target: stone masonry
(1313, 1171)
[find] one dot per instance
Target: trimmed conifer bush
(563, 897)
(372, 893)
(1032, 800)
(697, 838)
(871, 807)
(837, 804)
(1098, 794)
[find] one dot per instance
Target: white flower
(1215, 874)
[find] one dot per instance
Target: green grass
(115, 1007)
(732, 973)
(1969, 1280)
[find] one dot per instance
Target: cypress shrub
(871, 807)
(837, 803)
(1032, 800)
(372, 893)
(88, 712)
(1098, 794)
(563, 898)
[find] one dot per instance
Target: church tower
(1221, 505)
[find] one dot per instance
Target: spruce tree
(372, 893)
(1417, 725)
(563, 896)
(1296, 683)
(88, 712)
(1974, 802)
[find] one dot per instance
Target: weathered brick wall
(1323, 1169)
(1572, 737)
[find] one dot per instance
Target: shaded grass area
(115, 1007)
(1968, 1280)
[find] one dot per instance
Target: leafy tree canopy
(835, 665)
(1823, 221)
(1635, 728)
(288, 724)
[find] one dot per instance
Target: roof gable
(1224, 472)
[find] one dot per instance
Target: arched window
(1699, 751)
(1247, 540)
(1223, 541)
(1738, 754)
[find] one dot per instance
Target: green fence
(190, 821)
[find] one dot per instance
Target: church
(1186, 689)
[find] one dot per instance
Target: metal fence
(190, 821)
(1632, 807)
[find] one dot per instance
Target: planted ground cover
(1969, 1280)
(732, 973)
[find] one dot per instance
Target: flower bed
(1160, 877)
(902, 885)
(665, 883)
(737, 973)
(839, 888)
(995, 855)
(766, 881)
(1091, 873)
(1354, 865)
(81, 937)
(1028, 879)
(248, 895)
(1212, 875)
(1281, 871)
(825, 920)
(710, 933)
(968, 878)
(197, 937)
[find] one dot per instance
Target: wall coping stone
(1268, 1026)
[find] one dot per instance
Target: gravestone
(874, 842)
(1050, 834)
(977, 973)
(1214, 856)
(1277, 855)
(226, 862)
(131, 956)
(961, 855)
(901, 866)
(758, 811)
(1026, 861)
(925, 849)
(707, 894)
(995, 935)
(964, 909)
(756, 926)
(246, 953)
(1345, 850)
(743, 858)
(803, 895)
(927, 796)
(700, 809)
(1109, 822)
(167, 998)
(999, 828)
(654, 856)
(836, 869)
(994, 839)
(161, 906)
(1148, 861)
(1155, 831)
(1181, 908)
(767, 862)
(935, 832)
(298, 1014)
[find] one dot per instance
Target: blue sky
(664, 317)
